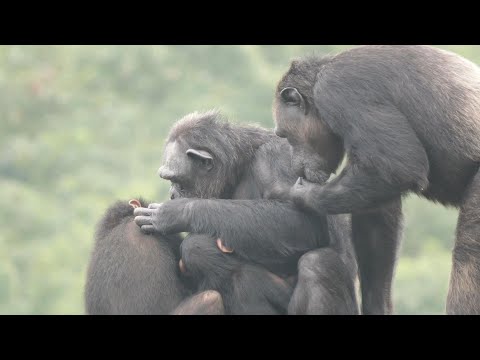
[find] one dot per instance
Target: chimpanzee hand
(302, 192)
(166, 218)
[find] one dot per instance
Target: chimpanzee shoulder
(269, 170)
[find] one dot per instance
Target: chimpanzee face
(189, 170)
(316, 151)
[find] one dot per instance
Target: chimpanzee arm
(264, 231)
(355, 190)
(386, 158)
(257, 228)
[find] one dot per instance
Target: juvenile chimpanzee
(225, 179)
(246, 289)
(408, 119)
(134, 273)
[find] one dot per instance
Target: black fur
(246, 289)
(134, 273)
(123, 264)
(235, 199)
(408, 119)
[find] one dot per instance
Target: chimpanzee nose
(280, 133)
(166, 173)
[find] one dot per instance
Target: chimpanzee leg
(325, 286)
(204, 303)
(464, 292)
(376, 236)
(256, 291)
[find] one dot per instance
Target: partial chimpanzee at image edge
(207, 157)
(135, 273)
(408, 120)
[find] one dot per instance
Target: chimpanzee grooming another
(408, 119)
(134, 273)
(224, 179)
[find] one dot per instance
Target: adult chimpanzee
(224, 180)
(134, 273)
(408, 118)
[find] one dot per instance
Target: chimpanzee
(134, 273)
(408, 120)
(225, 181)
(246, 288)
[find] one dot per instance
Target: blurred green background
(81, 126)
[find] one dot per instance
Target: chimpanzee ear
(204, 156)
(291, 96)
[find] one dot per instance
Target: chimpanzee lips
(319, 177)
(300, 171)
(175, 191)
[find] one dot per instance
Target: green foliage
(81, 126)
(421, 283)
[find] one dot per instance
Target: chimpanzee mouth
(314, 175)
(318, 176)
(300, 171)
(176, 191)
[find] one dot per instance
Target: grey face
(316, 152)
(188, 169)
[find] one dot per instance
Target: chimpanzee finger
(141, 211)
(143, 220)
(147, 229)
(154, 206)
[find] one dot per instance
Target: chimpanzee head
(316, 151)
(204, 155)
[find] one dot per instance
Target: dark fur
(233, 150)
(408, 118)
(318, 270)
(246, 289)
(134, 273)
(268, 235)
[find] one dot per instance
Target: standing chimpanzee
(408, 119)
(224, 182)
(134, 273)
